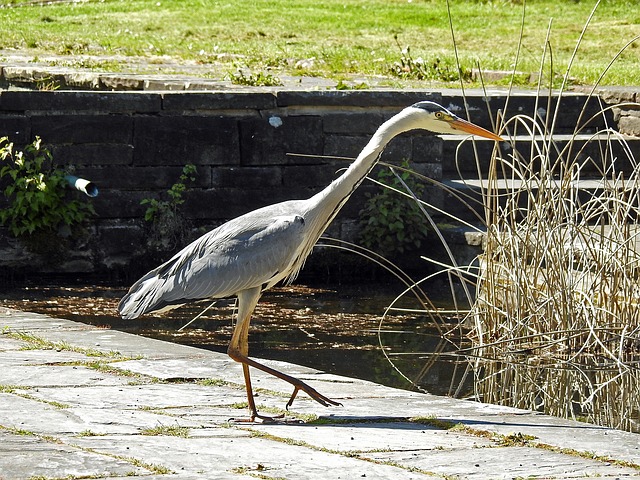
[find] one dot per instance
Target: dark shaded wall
(133, 146)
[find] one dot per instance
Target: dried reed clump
(556, 323)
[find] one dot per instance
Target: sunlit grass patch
(167, 430)
(345, 37)
(553, 319)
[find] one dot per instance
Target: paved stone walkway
(82, 402)
(47, 71)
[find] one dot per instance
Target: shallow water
(334, 329)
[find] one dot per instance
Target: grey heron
(253, 252)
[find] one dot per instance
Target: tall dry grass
(554, 322)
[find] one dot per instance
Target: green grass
(170, 430)
(347, 37)
(35, 342)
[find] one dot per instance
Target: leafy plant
(420, 69)
(37, 194)
(170, 430)
(393, 223)
(260, 79)
(168, 225)
(48, 84)
(342, 85)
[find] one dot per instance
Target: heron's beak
(473, 129)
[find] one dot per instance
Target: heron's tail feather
(145, 296)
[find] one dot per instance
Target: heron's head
(436, 118)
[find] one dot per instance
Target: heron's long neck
(321, 209)
(326, 204)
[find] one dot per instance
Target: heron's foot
(255, 417)
(313, 393)
(297, 384)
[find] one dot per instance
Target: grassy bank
(343, 37)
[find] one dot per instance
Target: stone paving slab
(52, 375)
(24, 414)
(522, 462)
(20, 69)
(254, 454)
(23, 457)
(7, 344)
(142, 396)
(375, 436)
(126, 344)
(14, 356)
(162, 411)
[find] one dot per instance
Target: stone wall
(625, 102)
(133, 146)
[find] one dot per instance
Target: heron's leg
(297, 384)
(239, 351)
(240, 343)
(249, 389)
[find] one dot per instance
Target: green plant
(419, 69)
(168, 225)
(48, 84)
(342, 85)
(260, 79)
(393, 223)
(169, 430)
(346, 36)
(38, 203)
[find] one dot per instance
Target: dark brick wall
(133, 146)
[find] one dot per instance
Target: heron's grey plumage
(253, 252)
(258, 248)
(255, 249)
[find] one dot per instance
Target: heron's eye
(439, 115)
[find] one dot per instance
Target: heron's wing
(246, 252)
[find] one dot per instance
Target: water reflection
(331, 329)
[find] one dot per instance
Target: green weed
(168, 430)
(168, 226)
(259, 79)
(392, 223)
(35, 342)
(38, 210)
(346, 36)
